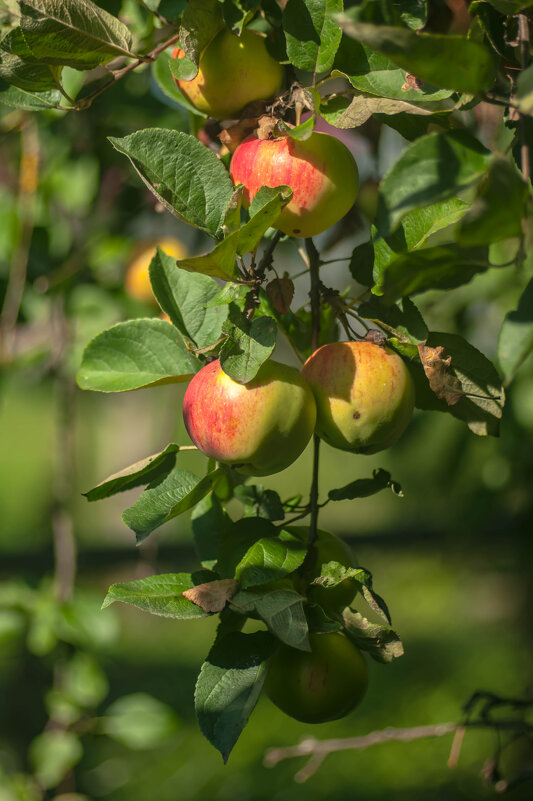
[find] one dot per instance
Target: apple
(137, 280)
(364, 395)
(326, 548)
(324, 684)
(261, 427)
(321, 172)
(233, 71)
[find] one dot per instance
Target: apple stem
(314, 271)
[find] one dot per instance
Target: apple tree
(259, 82)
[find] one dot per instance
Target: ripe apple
(321, 172)
(260, 427)
(364, 394)
(233, 71)
(324, 684)
(327, 548)
(137, 280)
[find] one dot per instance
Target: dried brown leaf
(280, 292)
(213, 596)
(412, 82)
(437, 368)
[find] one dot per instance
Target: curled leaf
(213, 596)
(280, 292)
(437, 368)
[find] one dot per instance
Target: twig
(523, 37)
(62, 526)
(118, 74)
(314, 266)
(317, 750)
(28, 178)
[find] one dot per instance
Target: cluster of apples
(321, 171)
(356, 396)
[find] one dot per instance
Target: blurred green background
(452, 557)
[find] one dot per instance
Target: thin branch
(28, 178)
(314, 267)
(317, 750)
(62, 524)
(523, 37)
(118, 74)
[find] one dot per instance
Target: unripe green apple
(321, 172)
(364, 394)
(324, 684)
(327, 548)
(260, 427)
(233, 71)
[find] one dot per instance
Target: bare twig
(317, 750)
(28, 177)
(314, 267)
(118, 74)
(523, 37)
(62, 526)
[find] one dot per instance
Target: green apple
(324, 684)
(233, 71)
(260, 427)
(364, 393)
(321, 172)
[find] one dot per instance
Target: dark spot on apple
(356, 415)
(296, 230)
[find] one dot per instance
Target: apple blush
(259, 428)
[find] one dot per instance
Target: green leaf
(259, 502)
(270, 559)
(165, 498)
(52, 754)
(524, 94)
(365, 487)
(362, 264)
(159, 595)
(482, 406)
(74, 33)
(163, 76)
(380, 641)
(281, 608)
(489, 219)
(440, 267)
(185, 176)
(375, 74)
(516, 335)
(312, 34)
(249, 345)
(264, 211)
(451, 62)
(345, 113)
(403, 320)
(237, 540)
(509, 7)
(136, 474)
(29, 100)
(229, 685)
(218, 263)
(139, 721)
(201, 21)
(417, 179)
(30, 77)
(185, 296)
(209, 523)
(333, 573)
(83, 681)
(414, 231)
(135, 354)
